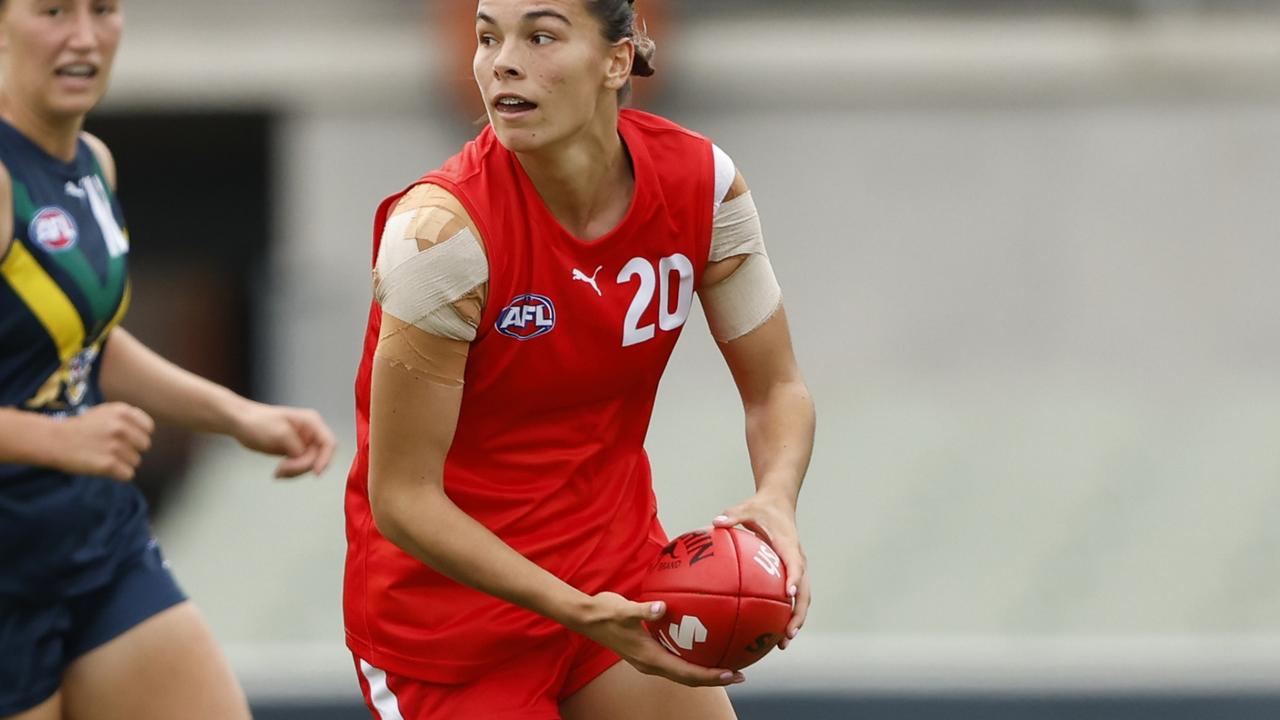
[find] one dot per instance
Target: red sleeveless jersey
(560, 385)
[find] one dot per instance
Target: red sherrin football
(725, 590)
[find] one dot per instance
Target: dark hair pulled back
(618, 22)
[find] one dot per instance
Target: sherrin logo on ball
(526, 317)
(725, 590)
(54, 229)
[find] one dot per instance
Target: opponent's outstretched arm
(132, 373)
(135, 375)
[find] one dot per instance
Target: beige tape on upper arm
(425, 355)
(736, 229)
(431, 269)
(743, 301)
(749, 295)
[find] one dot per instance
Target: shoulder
(658, 125)
(103, 154)
(429, 212)
(6, 211)
(428, 194)
(431, 269)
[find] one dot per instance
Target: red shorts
(530, 686)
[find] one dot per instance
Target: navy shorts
(39, 640)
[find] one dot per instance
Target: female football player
(92, 625)
(528, 295)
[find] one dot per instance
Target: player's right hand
(108, 440)
(617, 623)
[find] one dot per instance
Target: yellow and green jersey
(65, 277)
(63, 285)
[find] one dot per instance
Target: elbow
(403, 509)
(392, 510)
(386, 516)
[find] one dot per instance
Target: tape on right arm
(430, 278)
(431, 269)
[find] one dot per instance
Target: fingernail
(793, 590)
(656, 608)
(726, 676)
(739, 678)
(793, 632)
(721, 519)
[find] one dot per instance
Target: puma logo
(579, 275)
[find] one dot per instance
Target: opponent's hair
(618, 22)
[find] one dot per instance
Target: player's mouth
(82, 72)
(510, 105)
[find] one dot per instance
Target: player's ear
(621, 56)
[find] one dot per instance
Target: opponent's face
(544, 69)
(58, 53)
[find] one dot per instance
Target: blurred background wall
(1028, 251)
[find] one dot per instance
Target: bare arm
(107, 441)
(780, 423)
(132, 373)
(27, 438)
(6, 211)
(413, 417)
(779, 411)
(135, 375)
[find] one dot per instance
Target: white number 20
(668, 320)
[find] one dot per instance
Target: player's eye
(542, 39)
(486, 40)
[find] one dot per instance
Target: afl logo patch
(527, 317)
(54, 229)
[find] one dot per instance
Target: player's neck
(56, 136)
(586, 182)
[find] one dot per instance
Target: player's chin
(73, 105)
(520, 138)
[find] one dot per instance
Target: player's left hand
(298, 434)
(773, 517)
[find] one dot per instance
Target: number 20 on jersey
(656, 281)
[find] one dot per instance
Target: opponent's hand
(107, 440)
(615, 622)
(774, 519)
(300, 435)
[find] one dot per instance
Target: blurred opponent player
(528, 296)
(92, 625)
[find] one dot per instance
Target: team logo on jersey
(54, 229)
(78, 370)
(526, 317)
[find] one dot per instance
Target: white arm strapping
(420, 287)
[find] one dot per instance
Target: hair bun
(646, 48)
